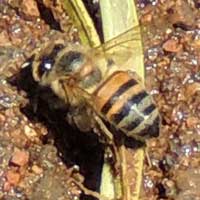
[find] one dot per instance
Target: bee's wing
(124, 47)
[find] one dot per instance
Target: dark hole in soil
(75, 147)
(47, 15)
(161, 191)
(93, 9)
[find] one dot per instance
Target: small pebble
(6, 186)
(20, 158)
(172, 46)
(12, 177)
(30, 8)
(29, 132)
(37, 169)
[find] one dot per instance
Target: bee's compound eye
(45, 65)
(47, 61)
(71, 61)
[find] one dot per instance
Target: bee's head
(56, 62)
(70, 62)
(44, 62)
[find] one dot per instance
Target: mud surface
(41, 156)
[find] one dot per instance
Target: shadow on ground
(82, 149)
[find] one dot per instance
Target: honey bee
(97, 90)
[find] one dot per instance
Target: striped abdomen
(123, 101)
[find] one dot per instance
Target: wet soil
(40, 154)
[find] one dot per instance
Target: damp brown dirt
(40, 155)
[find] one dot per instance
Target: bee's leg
(87, 191)
(148, 157)
(112, 149)
(76, 178)
(108, 135)
(35, 100)
(79, 118)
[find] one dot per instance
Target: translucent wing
(125, 49)
(123, 40)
